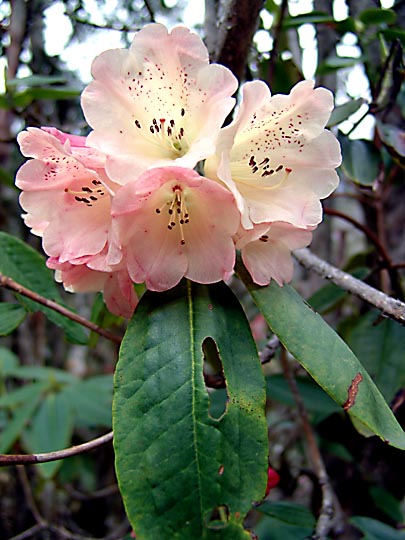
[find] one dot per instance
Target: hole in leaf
(217, 518)
(214, 380)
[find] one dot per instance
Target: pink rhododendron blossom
(158, 103)
(117, 287)
(66, 194)
(172, 223)
(276, 157)
(266, 250)
(124, 204)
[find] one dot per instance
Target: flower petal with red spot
(276, 157)
(158, 103)
(174, 223)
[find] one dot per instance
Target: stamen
(177, 212)
(87, 195)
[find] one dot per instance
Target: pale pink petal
(174, 223)
(117, 287)
(66, 200)
(276, 147)
(266, 250)
(158, 103)
(119, 294)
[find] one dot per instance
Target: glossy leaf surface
(326, 357)
(182, 473)
(26, 266)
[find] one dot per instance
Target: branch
(12, 285)
(230, 27)
(389, 306)
(26, 459)
(330, 508)
(149, 10)
(364, 229)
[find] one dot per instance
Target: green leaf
(51, 429)
(342, 112)
(284, 521)
(379, 345)
(23, 394)
(394, 140)
(23, 264)
(315, 399)
(92, 400)
(18, 422)
(361, 160)
(333, 63)
(315, 17)
(8, 362)
(5, 177)
(392, 34)
(385, 501)
(375, 530)
(326, 357)
(24, 98)
(292, 513)
(35, 80)
(378, 16)
(5, 102)
(43, 373)
(182, 473)
(11, 316)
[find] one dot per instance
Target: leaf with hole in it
(23, 264)
(361, 160)
(182, 473)
(326, 357)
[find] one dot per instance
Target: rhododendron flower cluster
(159, 190)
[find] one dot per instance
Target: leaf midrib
(193, 394)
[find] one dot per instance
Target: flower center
(259, 172)
(166, 134)
(177, 211)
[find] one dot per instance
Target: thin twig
(269, 350)
(358, 122)
(150, 10)
(329, 505)
(29, 533)
(29, 498)
(364, 229)
(26, 459)
(389, 306)
(12, 285)
(98, 494)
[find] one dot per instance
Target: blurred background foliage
(55, 391)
